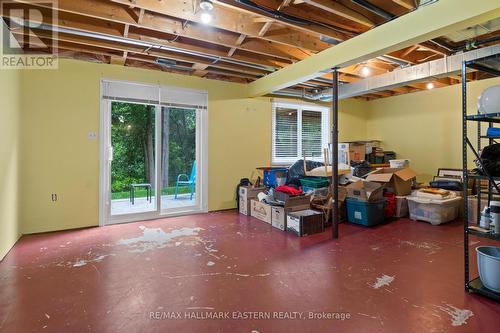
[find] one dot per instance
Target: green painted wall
(10, 111)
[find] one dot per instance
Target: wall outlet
(92, 136)
(54, 197)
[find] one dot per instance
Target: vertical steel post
(335, 153)
(465, 175)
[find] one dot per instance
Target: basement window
(299, 130)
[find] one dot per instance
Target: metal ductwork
(322, 96)
(423, 72)
(399, 77)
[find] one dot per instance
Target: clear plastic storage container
(433, 210)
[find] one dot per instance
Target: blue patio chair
(190, 181)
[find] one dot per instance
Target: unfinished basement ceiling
(245, 40)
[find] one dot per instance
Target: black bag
(450, 185)
(297, 170)
(243, 182)
(490, 160)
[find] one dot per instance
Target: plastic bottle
(485, 218)
(495, 215)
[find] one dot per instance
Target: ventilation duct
(424, 3)
(400, 77)
(422, 72)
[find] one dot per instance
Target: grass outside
(140, 193)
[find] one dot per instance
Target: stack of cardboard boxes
(246, 194)
(307, 221)
(366, 204)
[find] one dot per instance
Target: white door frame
(105, 153)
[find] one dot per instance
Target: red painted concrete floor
(141, 277)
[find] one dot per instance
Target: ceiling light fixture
(430, 85)
(365, 70)
(206, 9)
(206, 5)
(206, 17)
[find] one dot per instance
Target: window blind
(130, 92)
(286, 133)
(298, 130)
(183, 98)
(312, 145)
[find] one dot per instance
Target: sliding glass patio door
(178, 159)
(133, 162)
(153, 152)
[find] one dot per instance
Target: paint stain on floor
(111, 279)
(156, 238)
(383, 280)
(458, 316)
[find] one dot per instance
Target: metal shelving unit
(490, 65)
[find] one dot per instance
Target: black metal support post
(335, 154)
(465, 175)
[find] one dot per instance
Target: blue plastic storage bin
(365, 213)
(271, 175)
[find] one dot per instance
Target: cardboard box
(472, 207)
(365, 191)
(401, 206)
(370, 145)
(244, 206)
(351, 151)
(395, 180)
(305, 222)
(260, 210)
(279, 214)
(247, 193)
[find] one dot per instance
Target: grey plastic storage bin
(434, 211)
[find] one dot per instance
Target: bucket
(488, 262)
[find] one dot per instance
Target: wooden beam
(268, 24)
(95, 51)
(409, 50)
(238, 42)
(341, 10)
(125, 30)
(90, 24)
(432, 49)
(311, 28)
(408, 4)
(141, 16)
(238, 20)
(142, 50)
(79, 11)
(118, 61)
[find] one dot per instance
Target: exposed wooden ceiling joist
(142, 50)
(109, 12)
(341, 10)
(408, 4)
(238, 21)
(93, 25)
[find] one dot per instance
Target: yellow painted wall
(62, 106)
(10, 110)
(425, 127)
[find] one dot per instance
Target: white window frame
(325, 130)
